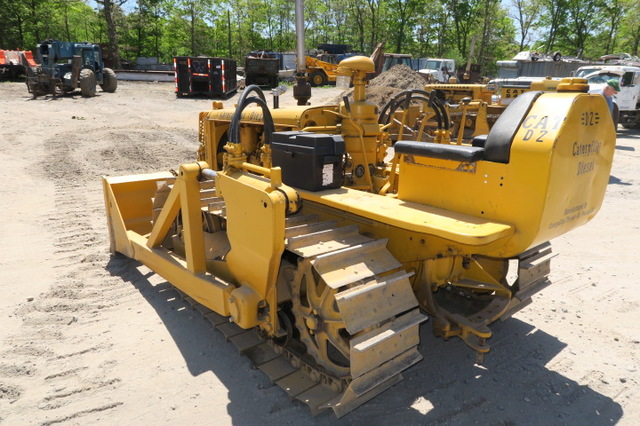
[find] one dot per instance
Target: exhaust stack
(302, 89)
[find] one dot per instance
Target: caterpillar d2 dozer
(318, 253)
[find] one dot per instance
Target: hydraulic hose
(245, 93)
(245, 100)
(392, 105)
(249, 89)
(436, 108)
(443, 111)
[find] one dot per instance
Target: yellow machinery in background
(472, 109)
(468, 108)
(320, 72)
(326, 249)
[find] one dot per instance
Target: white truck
(628, 98)
(440, 69)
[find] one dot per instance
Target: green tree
(358, 9)
(374, 10)
(584, 18)
(13, 31)
(613, 12)
(431, 31)
(146, 25)
(110, 9)
(339, 21)
(464, 14)
(553, 17)
(525, 15)
(495, 39)
(165, 28)
(400, 19)
(629, 32)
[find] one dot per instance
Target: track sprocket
(319, 321)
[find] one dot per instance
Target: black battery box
(310, 161)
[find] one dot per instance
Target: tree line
(490, 30)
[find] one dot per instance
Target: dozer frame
(326, 288)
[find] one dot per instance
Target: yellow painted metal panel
(165, 218)
(341, 267)
(554, 181)
(192, 217)
(295, 116)
(129, 205)
(583, 165)
(412, 216)
(255, 226)
(128, 200)
(386, 342)
(203, 288)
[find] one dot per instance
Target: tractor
(318, 247)
(66, 66)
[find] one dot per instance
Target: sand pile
(383, 87)
(399, 77)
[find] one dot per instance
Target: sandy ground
(87, 338)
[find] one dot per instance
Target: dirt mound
(399, 77)
(383, 87)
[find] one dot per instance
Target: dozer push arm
(255, 216)
(255, 209)
(129, 202)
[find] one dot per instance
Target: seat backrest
(498, 144)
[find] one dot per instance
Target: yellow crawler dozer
(318, 249)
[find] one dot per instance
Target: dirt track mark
(55, 320)
(27, 349)
(66, 373)
(11, 370)
(81, 352)
(465, 407)
(83, 413)
(9, 392)
(116, 151)
(67, 394)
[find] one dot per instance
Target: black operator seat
(441, 151)
(496, 146)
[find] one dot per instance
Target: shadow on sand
(513, 387)
(628, 133)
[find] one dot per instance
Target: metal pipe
(209, 174)
(302, 89)
(300, 48)
(321, 129)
